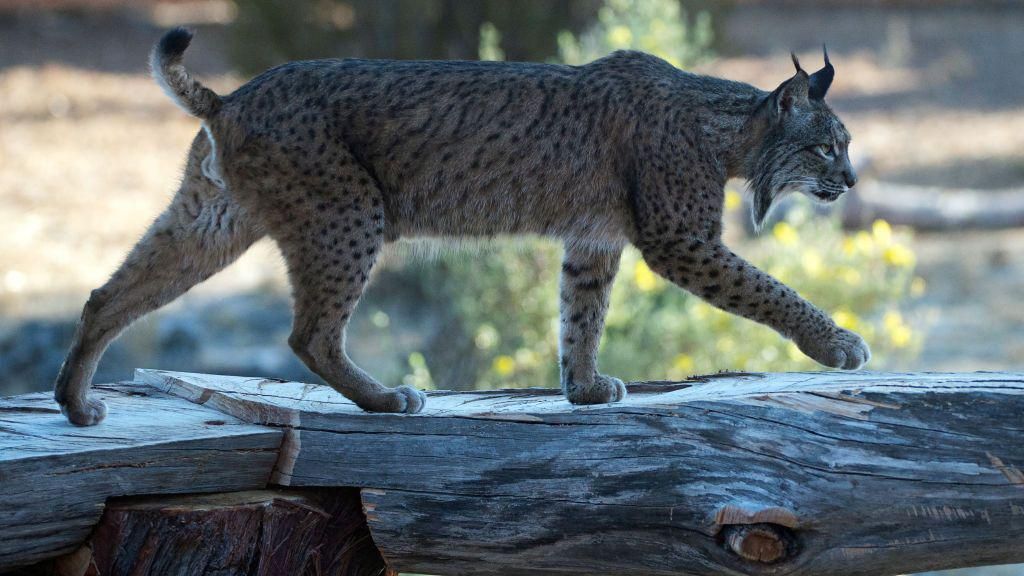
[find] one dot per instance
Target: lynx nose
(850, 178)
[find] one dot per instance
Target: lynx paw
(404, 399)
(602, 390)
(89, 413)
(843, 349)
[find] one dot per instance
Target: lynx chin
(333, 159)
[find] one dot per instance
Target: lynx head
(804, 145)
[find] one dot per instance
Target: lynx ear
(822, 79)
(791, 94)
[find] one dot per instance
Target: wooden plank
(55, 477)
(804, 473)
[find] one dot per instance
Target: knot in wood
(762, 543)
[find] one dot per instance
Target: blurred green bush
(658, 27)
(506, 299)
(506, 296)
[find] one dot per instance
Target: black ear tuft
(822, 79)
(796, 62)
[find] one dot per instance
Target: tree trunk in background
(403, 29)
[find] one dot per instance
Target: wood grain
(55, 477)
(798, 473)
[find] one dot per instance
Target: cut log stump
(257, 533)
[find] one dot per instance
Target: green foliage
(861, 279)
(657, 27)
(507, 299)
(490, 43)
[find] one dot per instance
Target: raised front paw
(840, 349)
(601, 390)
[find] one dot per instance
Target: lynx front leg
(713, 272)
(587, 275)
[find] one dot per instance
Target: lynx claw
(603, 390)
(91, 413)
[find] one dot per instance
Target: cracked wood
(850, 473)
(55, 477)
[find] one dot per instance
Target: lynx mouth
(826, 196)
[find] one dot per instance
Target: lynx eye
(825, 150)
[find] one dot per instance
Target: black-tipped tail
(175, 42)
(171, 75)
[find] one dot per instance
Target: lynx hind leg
(587, 276)
(330, 230)
(201, 232)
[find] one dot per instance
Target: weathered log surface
(55, 478)
(932, 209)
(814, 473)
(253, 533)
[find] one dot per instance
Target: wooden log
(929, 208)
(55, 477)
(807, 473)
(252, 533)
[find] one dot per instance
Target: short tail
(170, 73)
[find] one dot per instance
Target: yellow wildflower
(620, 37)
(864, 242)
(504, 365)
(683, 363)
(645, 279)
(882, 232)
(899, 255)
(846, 319)
(899, 333)
(785, 234)
(733, 200)
(901, 337)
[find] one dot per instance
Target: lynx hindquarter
(333, 159)
(202, 231)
